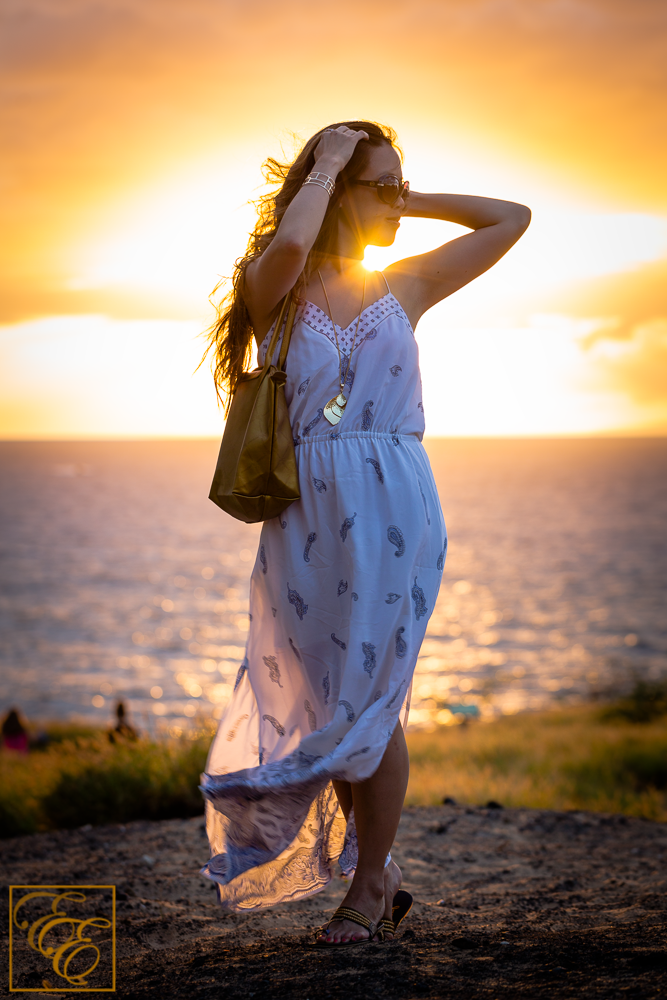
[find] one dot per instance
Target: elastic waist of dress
(331, 437)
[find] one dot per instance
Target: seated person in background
(14, 733)
(122, 728)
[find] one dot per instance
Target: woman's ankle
(369, 883)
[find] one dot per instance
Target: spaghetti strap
(386, 282)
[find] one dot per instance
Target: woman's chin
(383, 239)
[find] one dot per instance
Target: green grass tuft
(577, 758)
(88, 779)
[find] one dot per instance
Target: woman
(347, 577)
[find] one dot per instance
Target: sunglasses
(389, 188)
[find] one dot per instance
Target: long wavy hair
(230, 335)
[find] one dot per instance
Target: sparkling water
(121, 580)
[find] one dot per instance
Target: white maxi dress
(342, 588)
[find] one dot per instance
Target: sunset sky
(134, 133)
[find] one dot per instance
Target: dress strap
(386, 282)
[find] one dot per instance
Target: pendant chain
(341, 380)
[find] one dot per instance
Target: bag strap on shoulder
(289, 305)
(287, 336)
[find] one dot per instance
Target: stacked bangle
(322, 180)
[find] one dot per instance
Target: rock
(492, 804)
(449, 801)
(463, 943)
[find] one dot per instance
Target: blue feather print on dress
(346, 525)
(339, 642)
(319, 485)
(241, 672)
(274, 672)
(370, 662)
(304, 385)
(342, 587)
(428, 519)
(296, 439)
(283, 524)
(401, 645)
(312, 537)
(367, 416)
(395, 439)
(262, 558)
(378, 470)
(349, 711)
(371, 335)
(392, 598)
(294, 649)
(347, 374)
(395, 370)
(420, 406)
(316, 419)
(357, 753)
(334, 435)
(419, 599)
(274, 611)
(395, 695)
(441, 558)
(326, 687)
(297, 600)
(355, 597)
(395, 536)
(312, 718)
(377, 696)
(276, 725)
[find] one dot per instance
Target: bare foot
(392, 883)
(365, 897)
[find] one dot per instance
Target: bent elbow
(523, 216)
(290, 246)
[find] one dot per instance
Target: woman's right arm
(271, 276)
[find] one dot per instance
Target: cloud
(636, 366)
(631, 299)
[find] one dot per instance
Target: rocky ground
(508, 903)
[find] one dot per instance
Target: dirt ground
(508, 903)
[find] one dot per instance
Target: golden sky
(134, 133)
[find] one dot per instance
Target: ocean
(119, 579)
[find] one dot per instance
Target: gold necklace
(335, 408)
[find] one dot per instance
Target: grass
(583, 757)
(577, 758)
(81, 777)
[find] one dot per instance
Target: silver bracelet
(322, 180)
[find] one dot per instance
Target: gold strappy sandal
(375, 931)
(402, 904)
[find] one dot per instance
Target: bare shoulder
(403, 281)
(422, 281)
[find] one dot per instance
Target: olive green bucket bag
(256, 476)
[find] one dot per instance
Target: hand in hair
(337, 146)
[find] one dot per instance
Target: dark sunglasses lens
(390, 191)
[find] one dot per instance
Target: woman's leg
(343, 790)
(378, 802)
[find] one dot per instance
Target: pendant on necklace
(334, 409)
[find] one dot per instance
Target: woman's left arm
(420, 282)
